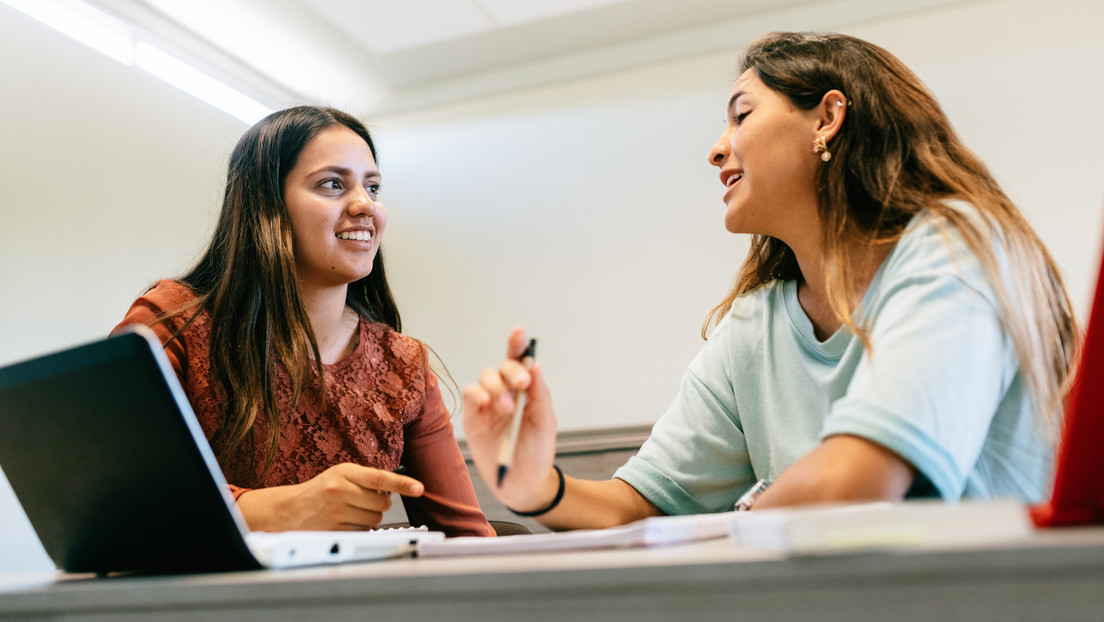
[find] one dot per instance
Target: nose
(720, 150)
(362, 204)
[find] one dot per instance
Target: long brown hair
(894, 156)
(246, 281)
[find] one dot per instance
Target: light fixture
(114, 38)
(195, 82)
(82, 22)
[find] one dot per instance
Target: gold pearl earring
(819, 146)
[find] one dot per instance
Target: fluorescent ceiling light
(115, 39)
(194, 82)
(92, 27)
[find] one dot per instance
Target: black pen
(509, 439)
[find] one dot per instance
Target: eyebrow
(344, 172)
(735, 96)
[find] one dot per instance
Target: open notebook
(114, 473)
(647, 532)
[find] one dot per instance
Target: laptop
(1078, 494)
(111, 466)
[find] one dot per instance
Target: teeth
(360, 236)
(735, 177)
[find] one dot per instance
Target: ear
(830, 113)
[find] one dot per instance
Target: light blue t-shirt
(940, 388)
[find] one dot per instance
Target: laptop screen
(102, 451)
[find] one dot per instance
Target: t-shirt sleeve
(696, 459)
(939, 367)
(432, 456)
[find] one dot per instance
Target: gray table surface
(1058, 575)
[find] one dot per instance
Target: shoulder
(751, 310)
(168, 295)
(932, 244)
(396, 364)
(401, 350)
(159, 304)
(928, 236)
(751, 304)
(937, 261)
(949, 230)
(744, 331)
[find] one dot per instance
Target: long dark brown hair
(896, 155)
(246, 281)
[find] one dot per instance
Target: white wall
(585, 210)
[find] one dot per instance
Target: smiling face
(767, 162)
(332, 201)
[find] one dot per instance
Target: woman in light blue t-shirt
(896, 330)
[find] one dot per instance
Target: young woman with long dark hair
(286, 339)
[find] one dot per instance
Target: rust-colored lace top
(383, 408)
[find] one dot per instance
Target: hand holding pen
(489, 408)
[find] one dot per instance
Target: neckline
(361, 339)
(837, 342)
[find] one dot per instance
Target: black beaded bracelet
(551, 506)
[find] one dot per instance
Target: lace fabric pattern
(382, 408)
(370, 396)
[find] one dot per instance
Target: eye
(373, 190)
(331, 183)
(738, 118)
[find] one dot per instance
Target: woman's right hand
(530, 482)
(343, 497)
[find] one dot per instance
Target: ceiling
(381, 56)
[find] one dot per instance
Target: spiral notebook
(107, 459)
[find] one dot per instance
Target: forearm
(589, 504)
(841, 469)
(431, 456)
